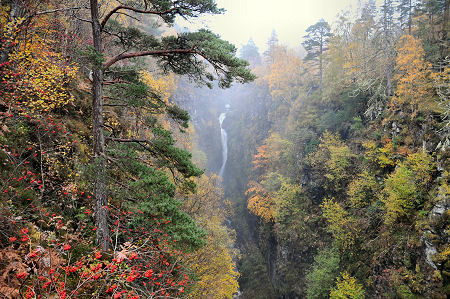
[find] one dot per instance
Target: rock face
(440, 208)
(437, 234)
(430, 251)
(286, 264)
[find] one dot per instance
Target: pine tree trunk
(321, 65)
(101, 202)
(445, 28)
(410, 17)
(386, 28)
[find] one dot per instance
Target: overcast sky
(256, 18)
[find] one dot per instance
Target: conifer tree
(406, 9)
(315, 44)
(185, 54)
(387, 31)
(250, 52)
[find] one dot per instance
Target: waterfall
(223, 135)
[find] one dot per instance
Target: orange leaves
(411, 75)
(272, 154)
(260, 202)
(261, 158)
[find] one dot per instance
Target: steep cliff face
(436, 235)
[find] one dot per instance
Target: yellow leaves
(285, 198)
(284, 74)
(213, 263)
(362, 190)
(401, 194)
(272, 197)
(386, 154)
(422, 165)
(163, 87)
(272, 154)
(333, 157)
(38, 76)
(161, 90)
(347, 288)
(4, 15)
(340, 224)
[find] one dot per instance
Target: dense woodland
(337, 179)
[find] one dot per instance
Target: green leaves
(185, 9)
(162, 145)
(206, 48)
(320, 280)
(95, 59)
(406, 185)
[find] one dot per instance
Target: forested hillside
(336, 183)
(340, 155)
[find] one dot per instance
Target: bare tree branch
(56, 10)
(153, 12)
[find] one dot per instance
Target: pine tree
(315, 44)
(250, 52)
(406, 9)
(387, 31)
(271, 45)
(184, 54)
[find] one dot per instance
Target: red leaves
(119, 294)
(148, 273)
(133, 275)
(111, 288)
(150, 266)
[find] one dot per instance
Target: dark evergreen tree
(387, 26)
(315, 44)
(271, 44)
(406, 10)
(250, 52)
(185, 54)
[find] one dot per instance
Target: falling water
(223, 134)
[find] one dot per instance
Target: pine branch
(126, 140)
(119, 57)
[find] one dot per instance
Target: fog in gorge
(310, 152)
